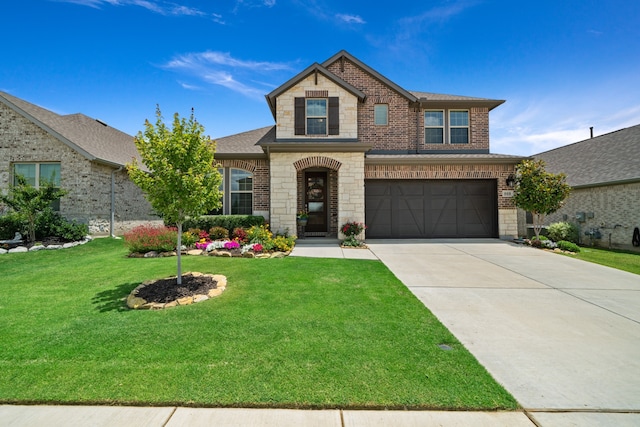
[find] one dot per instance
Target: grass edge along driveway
(287, 333)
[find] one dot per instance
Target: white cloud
(350, 19)
(221, 69)
(160, 7)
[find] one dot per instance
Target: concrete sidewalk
(112, 416)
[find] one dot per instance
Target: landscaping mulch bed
(167, 290)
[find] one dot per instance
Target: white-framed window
(459, 126)
(381, 114)
(316, 114)
(434, 127)
(241, 192)
(237, 192)
(37, 174)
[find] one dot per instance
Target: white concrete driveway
(562, 335)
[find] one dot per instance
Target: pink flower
(232, 245)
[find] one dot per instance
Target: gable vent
(316, 93)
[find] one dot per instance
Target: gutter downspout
(112, 220)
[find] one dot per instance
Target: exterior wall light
(511, 181)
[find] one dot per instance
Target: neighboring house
(82, 155)
(604, 173)
(351, 145)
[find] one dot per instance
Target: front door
(316, 201)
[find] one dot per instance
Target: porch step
(319, 241)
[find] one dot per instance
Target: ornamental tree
(29, 202)
(538, 191)
(180, 179)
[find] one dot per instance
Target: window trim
(308, 116)
(227, 206)
(467, 127)
(447, 127)
(443, 127)
(55, 205)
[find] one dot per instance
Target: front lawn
(622, 260)
(292, 332)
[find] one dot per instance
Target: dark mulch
(167, 290)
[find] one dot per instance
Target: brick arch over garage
(317, 162)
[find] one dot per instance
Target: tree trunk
(537, 223)
(179, 252)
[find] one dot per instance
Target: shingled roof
(606, 159)
(91, 138)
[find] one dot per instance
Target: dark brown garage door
(431, 208)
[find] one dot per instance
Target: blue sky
(561, 66)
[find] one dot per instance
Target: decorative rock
(248, 255)
(18, 249)
(151, 254)
(36, 248)
(277, 255)
(185, 301)
(166, 254)
(263, 256)
(69, 245)
(135, 302)
(52, 247)
(194, 252)
(3, 251)
(200, 298)
(225, 254)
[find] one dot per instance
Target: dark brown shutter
(334, 115)
(299, 113)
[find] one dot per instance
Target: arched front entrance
(317, 179)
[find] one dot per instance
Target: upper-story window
(459, 126)
(381, 114)
(317, 116)
(434, 127)
(316, 112)
(453, 130)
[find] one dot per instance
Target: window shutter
(299, 116)
(334, 115)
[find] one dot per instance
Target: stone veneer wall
(88, 183)
(348, 108)
(507, 212)
(261, 182)
(615, 209)
(284, 185)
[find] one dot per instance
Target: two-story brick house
(351, 145)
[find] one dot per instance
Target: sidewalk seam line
(175, 408)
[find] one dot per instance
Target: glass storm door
(316, 201)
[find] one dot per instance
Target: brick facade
(613, 210)
(88, 183)
(261, 185)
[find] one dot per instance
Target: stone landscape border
(137, 303)
(35, 248)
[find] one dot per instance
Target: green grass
(622, 260)
(292, 332)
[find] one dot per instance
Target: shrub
(283, 244)
(539, 238)
(51, 224)
(219, 233)
(352, 228)
(10, 224)
(563, 231)
(71, 231)
(351, 241)
(260, 234)
(145, 238)
(230, 222)
(240, 234)
(190, 237)
(568, 246)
